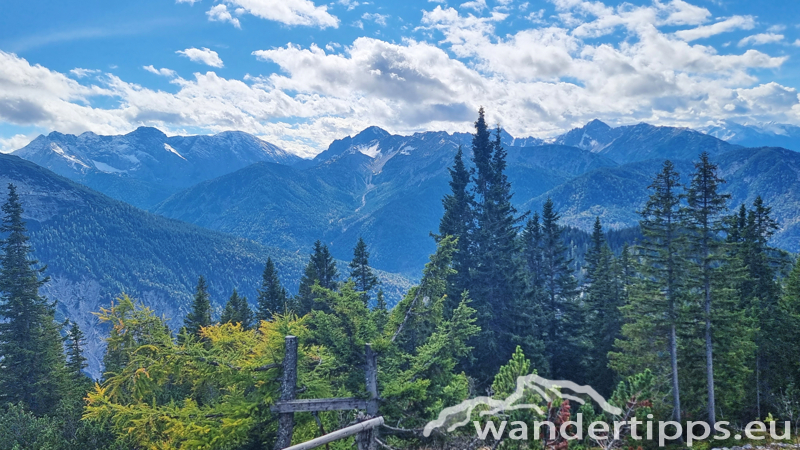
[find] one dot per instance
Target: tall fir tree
(237, 310)
(272, 297)
(706, 207)
(653, 313)
(200, 314)
(561, 312)
(457, 221)
(495, 285)
(76, 362)
(360, 271)
(33, 368)
(321, 268)
(601, 311)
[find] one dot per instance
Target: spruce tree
(706, 206)
(76, 362)
(272, 296)
(321, 268)
(495, 285)
(457, 221)
(200, 315)
(237, 311)
(360, 271)
(601, 310)
(663, 268)
(561, 312)
(33, 365)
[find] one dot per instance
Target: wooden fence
(366, 430)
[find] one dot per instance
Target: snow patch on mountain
(103, 167)
(372, 151)
(169, 148)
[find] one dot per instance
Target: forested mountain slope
(96, 247)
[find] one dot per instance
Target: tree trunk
(676, 394)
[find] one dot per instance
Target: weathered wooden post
(366, 439)
(288, 389)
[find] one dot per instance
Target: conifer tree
(33, 365)
(560, 290)
(706, 207)
(237, 311)
(76, 362)
(653, 313)
(200, 315)
(272, 296)
(602, 315)
(458, 221)
(360, 271)
(381, 311)
(321, 268)
(495, 283)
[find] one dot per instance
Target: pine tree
(561, 312)
(495, 285)
(321, 268)
(33, 366)
(706, 207)
(603, 300)
(654, 311)
(76, 362)
(360, 271)
(237, 311)
(458, 221)
(272, 296)
(200, 315)
(381, 312)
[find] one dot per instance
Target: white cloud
(220, 13)
(164, 72)
(202, 55)
(82, 73)
(288, 12)
(477, 5)
(760, 39)
(796, 43)
(379, 19)
(537, 81)
(191, 2)
(730, 24)
(776, 28)
(350, 4)
(15, 142)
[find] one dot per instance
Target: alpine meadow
(485, 225)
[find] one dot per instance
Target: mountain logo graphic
(457, 416)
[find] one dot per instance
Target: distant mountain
(146, 166)
(757, 135)
(615, 194)
(642, 142)
(96, 247)
(383, 187)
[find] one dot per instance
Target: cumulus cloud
(287, 12)
(760, 39)
(379, 19)
(477, 5)
(730, 24)
(220, 13)
(202, 55)
(82, 73)
(164, 72)
(537, 81)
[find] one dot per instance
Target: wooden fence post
(288, 390)
(366, 439)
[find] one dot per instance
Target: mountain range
(96, 247)
(147, 214)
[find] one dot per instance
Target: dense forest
(690, 316)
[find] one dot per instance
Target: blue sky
(300, 73)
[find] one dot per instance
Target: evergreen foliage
(33, 365)
(200, 314)
(237, 311)
(272, 297)
(360, 271)
(321, 270)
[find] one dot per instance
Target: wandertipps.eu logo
(556, 412)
